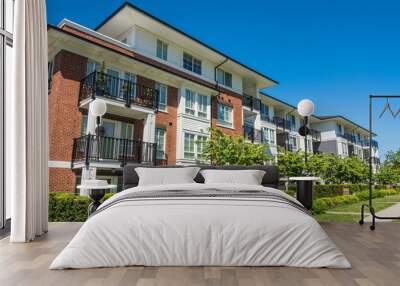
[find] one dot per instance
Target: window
(160, 141)
(268, 135)
(191, 63)
(84, 125)
(189, 146)
(224, 115)
(345, 151)
(292, 143)
(201, 141)
(128, 85)
(50, 66)
(292, 121)
(194, 146)
(224, 78)
(264, 110)
(124, 40)
(339, 129)
(92, 66)
(162, 96)
(189, 102)
(202, 102)
(162, 50)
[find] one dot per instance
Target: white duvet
(200, 231)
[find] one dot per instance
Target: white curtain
(26, 124)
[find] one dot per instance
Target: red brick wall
(168, 121)
(61, 180)
(64, 115)
(236, 103)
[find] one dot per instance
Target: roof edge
(132, 6)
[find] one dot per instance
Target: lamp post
(305, 109)
(98, 108)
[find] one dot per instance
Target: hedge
(332, 190)
(69, 207)
(320, 205)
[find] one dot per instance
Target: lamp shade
(305, 107)
(98, 107)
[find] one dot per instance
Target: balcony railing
(365, 143)
(315, 134)
(283, 123)
(99, 84)
(251, 134)
(88, 148)
(251, 102)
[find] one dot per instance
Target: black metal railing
(251, 134)
(374, 144)
(98, 84)
(283, 123)
(315, 135)
(251, 102)
(89, 148)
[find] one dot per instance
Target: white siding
(145, 42)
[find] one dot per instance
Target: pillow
(248, 177)
(166, 176)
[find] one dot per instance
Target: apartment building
(163, 90)
(162, 96)
(343, 137)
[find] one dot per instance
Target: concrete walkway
(393, 211)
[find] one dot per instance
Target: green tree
(222, 149)
(290, 164)
(389, 173)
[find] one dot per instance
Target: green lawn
(336, 217)
(379, 204)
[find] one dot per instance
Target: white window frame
(192, 64)
(222, 78)
(190, 109)
(227, 121)
(198, 148)
(162, 50)
(185, 152)
(162, 106)
(163, 157)
(196, 110)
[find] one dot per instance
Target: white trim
(60, 164)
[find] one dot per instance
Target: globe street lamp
(305, 109)
(98, 108)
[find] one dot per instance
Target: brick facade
(236, 103)
(64, 116)
(168, 121)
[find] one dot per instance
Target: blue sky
(333, 52)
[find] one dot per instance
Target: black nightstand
(305, 190)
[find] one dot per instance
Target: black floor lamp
(305, 109)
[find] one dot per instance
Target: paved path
(393, 211)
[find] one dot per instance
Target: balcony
(251, 102)
(99, 84)
(251, 134)
(374, 144)
(88, 149)
(283, 123)
(315, 135)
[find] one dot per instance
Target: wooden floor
(375, 257)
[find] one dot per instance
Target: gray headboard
(271, 177)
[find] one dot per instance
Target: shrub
(69, 207)
(364, 195)
(322, 204)
(331, 190)
(354, 188)
(398, 189)
(380, 187)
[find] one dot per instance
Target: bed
(201, 224)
